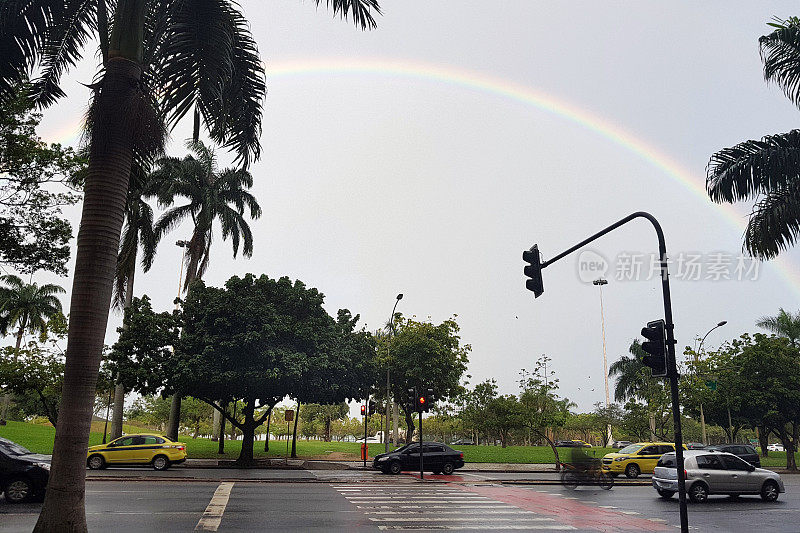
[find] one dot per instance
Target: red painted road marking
(568, 512)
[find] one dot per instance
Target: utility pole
(696, 358)
(388, 382)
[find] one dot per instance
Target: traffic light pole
(421, 473)
(672, 370)
(366, 414)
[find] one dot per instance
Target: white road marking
(459, 512)
(493, 527)
(212, 517)
(629, 512)
(460, 519)
(498, 505)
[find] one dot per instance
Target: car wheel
(632, 470)
(18, 490)
(666, 494)
(395, 468)
(96, 462)
(698, 493)
(160, 463)
(447, 469)
(605, 480)
(769, 492)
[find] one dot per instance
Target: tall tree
(635, 380)
(767, 170)
(53, 33)
(27, 307)
(425, 356)
(784, 324)
(213, 195)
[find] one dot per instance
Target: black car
(463, 442)
(572, 444)
(23, 474)
(745, 451)
(438, 458)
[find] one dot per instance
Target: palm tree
(634, 380)
(26, 307)
(51, 34)
(137, 232)
(767, 171)
(785, 324)
(212, 195)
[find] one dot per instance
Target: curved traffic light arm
(533, 271)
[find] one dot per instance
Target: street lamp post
(599, 283)
(696, 356)
(388, 383)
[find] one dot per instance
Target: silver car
(712, 472)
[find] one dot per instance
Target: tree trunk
(266, 441)
(248, 431)
(174, 417)
(327, 430)
(221, 447)
(7, 396)
(553, 447)
(652, 417)
(119, 389)
(215, 425)
(294, 432)
(105, 195)
(410, 425)
(763, 439)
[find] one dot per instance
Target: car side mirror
(751, 468)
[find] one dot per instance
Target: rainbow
(504, 88)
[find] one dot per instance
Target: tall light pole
(599, 283)
(696, 356)
(388, 383)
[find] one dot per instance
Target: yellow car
(636, 459)
(144, 448)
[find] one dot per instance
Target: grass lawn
(39, 439)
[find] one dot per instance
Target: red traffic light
(422, 400)
(363, 410)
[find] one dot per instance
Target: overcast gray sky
(423, 157)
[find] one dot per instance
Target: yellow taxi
(142, 448)
(636, 459)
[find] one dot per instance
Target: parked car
(639, 458)
(775, 447)
(745, 451)
(437, 458)
(463, 442)
(620, 443)
(141, 449)
(714, 472)
(695, 446)
(575, 443)
(23, 474)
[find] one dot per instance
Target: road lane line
(212, 517)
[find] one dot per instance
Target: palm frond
(752, 167)
(62, 48)
(774, 223)
(780, 52)
(359, 10)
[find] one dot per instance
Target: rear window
(667, 461)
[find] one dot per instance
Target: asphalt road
(362, 501)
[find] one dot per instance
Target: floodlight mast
(672, 370)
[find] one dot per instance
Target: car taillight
(462, 455)
(685, 474)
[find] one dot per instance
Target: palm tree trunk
(105, 194)
(119, 389)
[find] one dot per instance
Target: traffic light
(533, 271)
(656, 347)
(371, 409)
(424, 401)
(363, 410)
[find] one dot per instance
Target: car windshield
(633, 448)
(12, 448)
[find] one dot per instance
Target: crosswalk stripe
(212, 517)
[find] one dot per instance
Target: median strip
(212, 517)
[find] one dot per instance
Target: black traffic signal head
(533, 271)
(371, 407)
(363, 410)
(656, 347)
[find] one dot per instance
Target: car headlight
(383, 458)
(46, 466)
(620, 458)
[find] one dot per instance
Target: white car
(775, 448)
